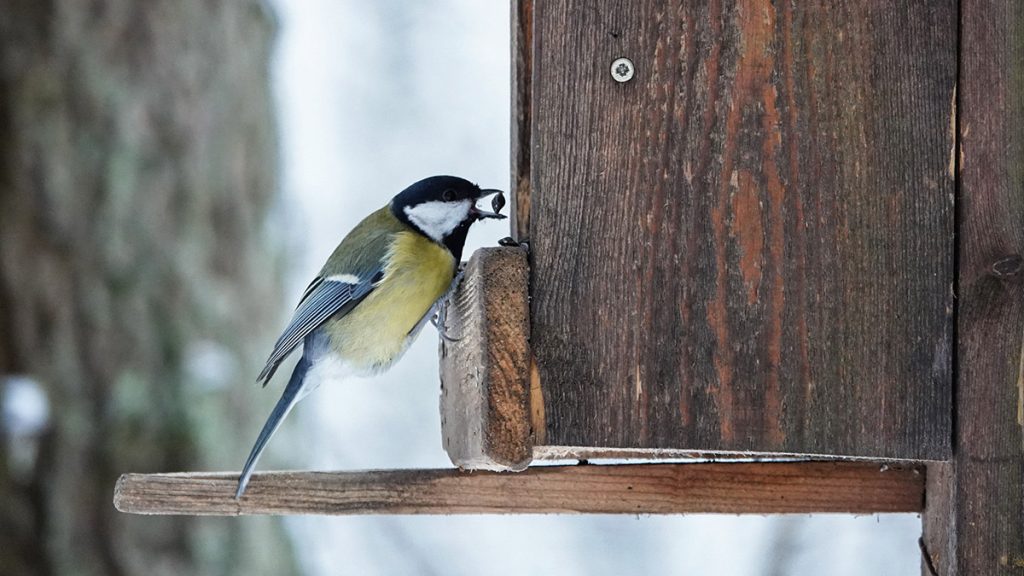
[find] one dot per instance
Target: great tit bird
(375, 293)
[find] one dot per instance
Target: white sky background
(373, 96)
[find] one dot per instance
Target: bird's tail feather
(291, 395)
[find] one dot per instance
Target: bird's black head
(442, 208)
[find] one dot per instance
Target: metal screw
(623, 69)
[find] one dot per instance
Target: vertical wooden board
(989, 465)
(522, 90)
(937, 523)
(749, 245)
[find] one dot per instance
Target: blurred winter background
(155, 235)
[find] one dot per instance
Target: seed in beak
(498, 202)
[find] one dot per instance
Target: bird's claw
(440, 317)
(510, 242)
(439, 320)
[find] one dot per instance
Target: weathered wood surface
(485, 419)
(987, 489)
(763, 488)
(522, 88)
(749, 246)
(937, 522)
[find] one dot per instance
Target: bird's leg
(440, 322)
(440, 317)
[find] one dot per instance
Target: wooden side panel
(748, 246)
(485, 367)
(989, 466)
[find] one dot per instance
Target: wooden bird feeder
(793, 233)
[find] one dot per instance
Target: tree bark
(137, 166)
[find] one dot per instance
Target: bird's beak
(496, 204)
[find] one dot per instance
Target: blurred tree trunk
(137, 168)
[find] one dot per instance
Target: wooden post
(974, 523)
(522, 92)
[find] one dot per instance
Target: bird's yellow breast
(379, 329)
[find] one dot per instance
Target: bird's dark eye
(448, 195)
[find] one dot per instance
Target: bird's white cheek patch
(438, 219)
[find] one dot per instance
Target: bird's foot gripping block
(485, 403)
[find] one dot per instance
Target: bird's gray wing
(325, 297)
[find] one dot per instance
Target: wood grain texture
(749, 246)
(937, 522)
(776, 488)
(988, 489)
(522, 93)
(485, 387)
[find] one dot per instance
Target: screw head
(623, 69)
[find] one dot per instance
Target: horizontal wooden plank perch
(737, 488)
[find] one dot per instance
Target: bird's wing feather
(325, 298)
